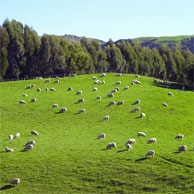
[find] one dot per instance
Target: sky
(103, 19)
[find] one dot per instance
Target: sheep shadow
(122, 150)
(141, 159)
(138, 117)
(104, 149)
(58, 112)
(6, 187)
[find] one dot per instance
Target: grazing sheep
(111, 145)
(98, 98)
(135, 109)
(31, 142)
(137, 102)
(28, 147)
(79, 92)
(46, 89)
(141, 134)
(128, 146)
(103, 74)
(142, 115)
(182, 148)
(74, 75)
(179, 136)
(24, 95)
(132, 83)
(69, 89)
(152, 140)
(52, 89)
(94, 89)
(33, 100)
(17, 135)
(150, 153)
(33, 86)
(81, 110)
(164, 104)
(135, 82)
(155, 81)
(63, 110)
(137, 76)
(120, 103)
(10, 137)
(34, 133)
(80, 100)
(56, 81)
(106, 118)
(103, 82)
(117, 83)
(15, 181)
(126, 88)
(55, 105)
(97, 82)
(118, 75)
(112, 103)
(22, 102)
(48, 80)
(94, 77)
(9, 149)
(102, 135)
(38, 90)
(138, 82)
(117, 89)
(28, 87)
(110, 95)
(57, 77)
(131, 141)
(114, 90)
(170, 94)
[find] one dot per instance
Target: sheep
(103, 74)
(17, 135)
(142, 115)
(31, 142)
(120, 103)
(101, 135)
(118, 75)
(98, 98)
(179, 136)
(131, 141)
(28, 147)
(135, 82)
(111, 145)
(97, 82)
(63, 110)
(137, 76)
(94, 77)
(136, 109)
(164, 104)
(15, 181)
(34, 133)
(126, 88)
(170, 94)
(22, 102)
(114, 90)
(182, 148)
(155, 81)
(150, 153)
(74, 75)
(103, 82)
(10, 137)
(141, 134)
(117, 83)
(79, 92)
(48, 80)
(9, 149)
(106, 118)
(52, 89)
(132, 83)
(24, 95)
(110, 95)
(137, 102)
(138, 82)
(80, 100)
(28, 87)
(128, 146)
(33, 86)
(112, 103)
(81, 110)
(54, 105)
(33, 100)
(57, 77)
(69, 89)
(38, 90)
(152, 140)
(94, 89)
(117, 89)
(56, 81)
(46, 89)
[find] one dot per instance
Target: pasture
(68, 157)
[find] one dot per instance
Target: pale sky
(103, 19)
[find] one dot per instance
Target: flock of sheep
(30, 144)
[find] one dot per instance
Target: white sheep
(132, 83)
(33, 100)
(38, 90)
(164, 104)
(22, 102)
(81, 110)
(79, 92)
(101, 135)
(103, 74)
(182, 148)
(57, 77)
(10, 137)
(28, 147)
(28, 87)
(80, 100)
(142, 115)
(52, 89)
(15, 181)
(141, 134)
(24, 95)
(98, 98)
(97, 82)
(112, 103)
(117, 83)
(130, 141)
(63, 110)
(31, 142)
(9, 149)
(34, 133)
(137, 102)
(150, 153)
(55, 105)
(117, 89)
(94, 77)
(170, 94)
(46, 89)
(118, 75)
(106, 118)
(17, 135)
(179, 136)
(56, 81)
(120, 103)
(137, 76)
(136, 109)
(94, 89)
(114, 90)
(74, 75)
(152, 140)
(33, 86)
(69, 89)
(128, 146)
(110, 95)
(48, 80)
(111, 145)
(126, 88)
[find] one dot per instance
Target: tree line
(23, 54)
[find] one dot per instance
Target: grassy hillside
(68, 158)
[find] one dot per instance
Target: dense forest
(23, 54)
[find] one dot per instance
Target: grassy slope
(69, 159)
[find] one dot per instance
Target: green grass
(68, 158)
